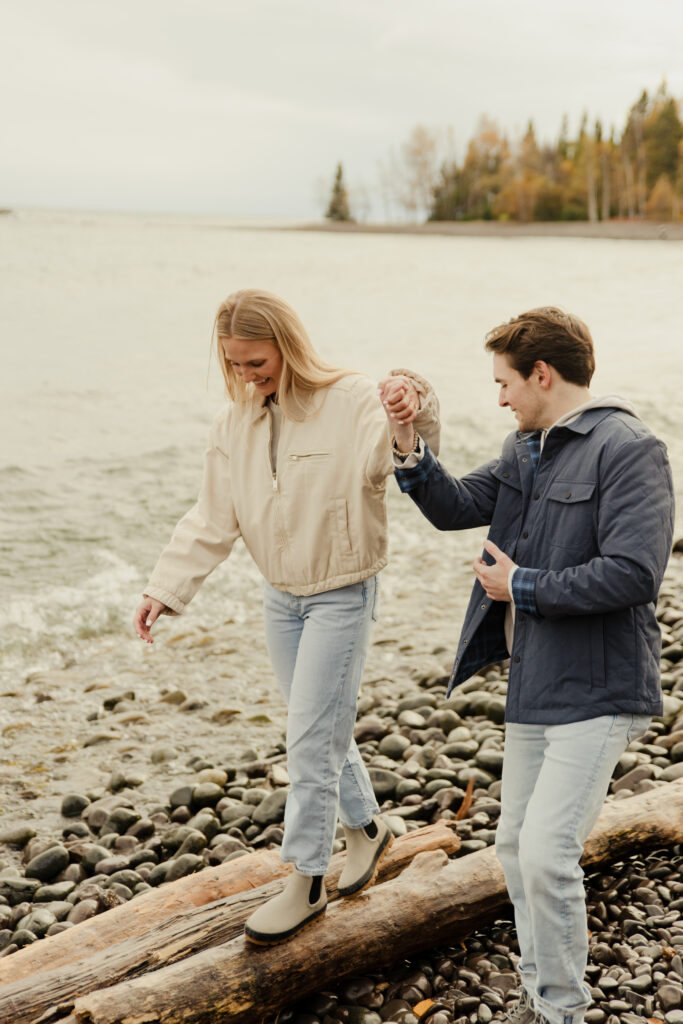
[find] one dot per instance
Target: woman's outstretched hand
(401, 403)
(146, 614)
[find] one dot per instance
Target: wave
(36, 624)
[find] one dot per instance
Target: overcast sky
(242, 106)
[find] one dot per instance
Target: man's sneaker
(302, 901)
(365, 847)
(521, 1012)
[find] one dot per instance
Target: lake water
(107, 391)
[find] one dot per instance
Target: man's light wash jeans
(318, 646)
(555, 778)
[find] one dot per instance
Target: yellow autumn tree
(662, 201)
(525, 184)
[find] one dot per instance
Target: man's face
(523, 396)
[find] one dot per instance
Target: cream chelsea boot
(365, 847)
(301, 902)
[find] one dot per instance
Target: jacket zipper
(283, 534)
(273, 472)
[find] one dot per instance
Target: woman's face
(256, 362)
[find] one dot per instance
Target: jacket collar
(258, 407)
(586, 422)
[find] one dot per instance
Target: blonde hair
(254, 315)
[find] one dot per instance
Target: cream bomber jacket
(318, 523)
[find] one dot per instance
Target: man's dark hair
(559, 339)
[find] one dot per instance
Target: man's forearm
(449, 503)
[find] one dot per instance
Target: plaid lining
(524, 590)
(486, 647)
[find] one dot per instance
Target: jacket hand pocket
(340, 519)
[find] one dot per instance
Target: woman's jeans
(555, 779)
(318, 646)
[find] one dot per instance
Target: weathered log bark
(143, 913)
(185, 930)
(433, 901)
(207, 886)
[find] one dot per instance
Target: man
(580, 508)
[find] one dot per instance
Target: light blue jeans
(555, 778)
(318, 646)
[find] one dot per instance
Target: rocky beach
(123, 766)
(103, 815)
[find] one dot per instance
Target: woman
(296, 466)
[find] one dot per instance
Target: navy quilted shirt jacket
(596, 519)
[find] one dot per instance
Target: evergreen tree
(663, 132)
(634, 155)
(448, 202)
(563, 141)
(338, 206)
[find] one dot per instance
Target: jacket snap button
(525, 534)
(516, 658)
(506, 475)
(568, 494)
(524, 458)
(483, 607)
(536, 497)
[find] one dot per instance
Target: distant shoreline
(636, 230)
(612, 229)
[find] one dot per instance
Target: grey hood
(601, 402)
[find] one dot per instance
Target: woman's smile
(250, 358)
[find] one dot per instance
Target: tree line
(593, 176)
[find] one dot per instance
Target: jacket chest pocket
(308, 458)
(507, 476)
(508, 509)
(570, 515)
(310, 470)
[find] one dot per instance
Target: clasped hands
(401, 403)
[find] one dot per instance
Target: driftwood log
(434, 901)
(143, 913)
(183, 918)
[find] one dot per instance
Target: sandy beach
(612, 229)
